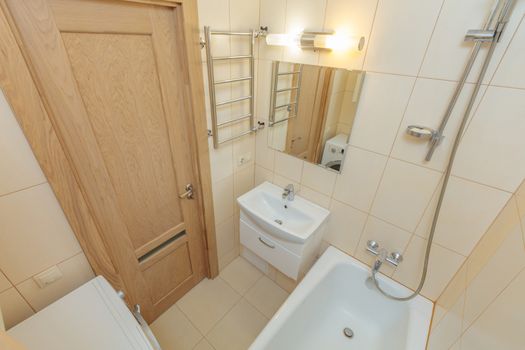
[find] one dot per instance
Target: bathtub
(335, 295)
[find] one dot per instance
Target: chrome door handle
(266, 243)
(189, 192)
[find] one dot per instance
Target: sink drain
(348, 332)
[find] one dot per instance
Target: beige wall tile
(315, 197)
(454, 289)
(508, 73)
(464, 201)
(223, 199)
(225, 237)
(288, 166)
(345, 226)
(243, 181)
(4, 283)
(390, 237)
(221, 161)
(352, 18)
(318, 178)
(262, 175)
(214, 13)
(443, 265)
(19, 166)
(455, 19)
(243, 147)
(283, 181)
(493, 329)
(492, 144)
(34, 233)
(507, 220)
(273, 15)
(301, 15)
(404, 192)
(504, 266)
(75, 272)
(448, 331)
(14, 308)
(388, 50)
(427, 106)
(358, 182)
(375, 126)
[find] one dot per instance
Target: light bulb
(338, 42)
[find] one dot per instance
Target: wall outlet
(49, 276)
(244, 159)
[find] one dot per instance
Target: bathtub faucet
(381, 257)
(393, 258)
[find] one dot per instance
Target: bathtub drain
(348, 332)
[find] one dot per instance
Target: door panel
(114, 81)
(117, 79)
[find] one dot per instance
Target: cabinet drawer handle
(265, 243)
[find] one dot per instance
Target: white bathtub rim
(420, 308)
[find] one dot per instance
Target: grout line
(431, 37)
(22, 189)
(496, 68)
(370, 36)
(463, 331)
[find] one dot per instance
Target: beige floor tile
(4, 282)
(266, 296)
(207, 303)
(14, 308)
(174, 331)
(203, 345)
(238, 329)
(285, 282)
(241, 275)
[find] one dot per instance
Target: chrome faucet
(289, 192)
(394, 258)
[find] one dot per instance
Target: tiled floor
(226, 313)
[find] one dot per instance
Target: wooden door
(114, 79)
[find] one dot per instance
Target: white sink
(292, 221)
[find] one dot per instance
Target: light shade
(317, 41)
(282, 40)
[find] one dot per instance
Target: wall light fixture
(317, 41)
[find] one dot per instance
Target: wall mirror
(312, 110)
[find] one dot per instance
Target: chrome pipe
(237, 136)
(252, 81)
(237, 57)
(232, 80)
(234, 121)
(233, 101)
(224, 32)
(211, 88)
(273, 98)
(498, 19)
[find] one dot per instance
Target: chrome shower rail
(210, 59)
(275, 90)
(497, 20)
